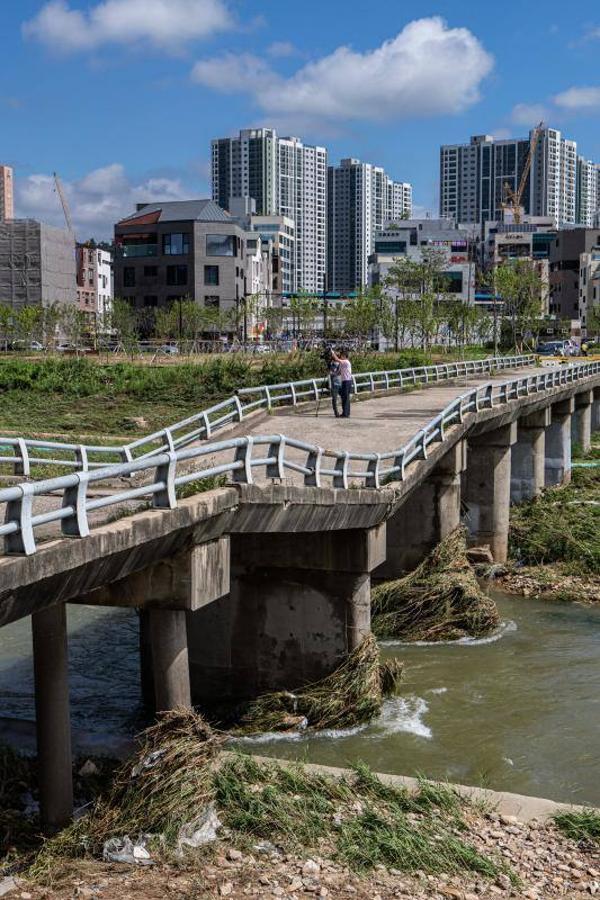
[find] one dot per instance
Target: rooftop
(178, 211)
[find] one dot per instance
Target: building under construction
(37, 264)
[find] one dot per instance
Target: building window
(149, 272)
(177, 275)
(176, 244)
(211, 275)
(220, 245)
(151, 301)
(129, 277)
(212, 301)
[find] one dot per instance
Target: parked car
(557, 348)
(170, 349)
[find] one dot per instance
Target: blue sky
(122, 97)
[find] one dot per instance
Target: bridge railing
(243, 458)
(25, 453)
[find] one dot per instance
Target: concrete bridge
(265, 583)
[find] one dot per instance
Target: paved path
(379, 424)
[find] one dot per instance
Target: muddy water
(520, 712)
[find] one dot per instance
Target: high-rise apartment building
(7, 205)
(285, 177)
(361, 199)
(588, 192)
(473, 178)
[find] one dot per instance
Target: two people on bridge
(340, 378)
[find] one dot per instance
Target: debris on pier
(440, 601)
(350, 696)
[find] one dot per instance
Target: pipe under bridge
(264, 582)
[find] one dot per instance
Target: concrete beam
(168, 636)
(488, 489)
(53, 723)
(188, 581)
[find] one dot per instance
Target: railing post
(166, 498)
(81, 458)
(22, 466)
(244, 453)
(277, 449)
(341, 466)
(76, 525)
(399, 464)
(313, 462)
(21, 510)
(238, 406)
(372, 480)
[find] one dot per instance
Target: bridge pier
(527, 477)
(558, 444)
(488, 489)
(581, 421)
(429, 514)
(299, 603)
(53, 722)
(168, 635)
(596, 410)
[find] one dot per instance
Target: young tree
(363, 313)
(520, 285)
(123, 324)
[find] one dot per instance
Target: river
(519, 712)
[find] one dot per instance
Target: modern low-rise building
(37, 264)
(408, 239)
(94, 280)
(187, 248)
(565, 266)
(589, 291)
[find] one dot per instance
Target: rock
(509, 820)
(88, 768)
(295, 884)
(503, 881)
(132, 422)
(311, 867)
(235, 855)
(226, 889)
(7, 885)
(480, 556)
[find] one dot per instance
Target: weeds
(580, 826)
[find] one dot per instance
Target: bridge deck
(375, 425)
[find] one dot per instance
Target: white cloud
(163, 23)
(529, 114)
(97, 200)
(427, 69)
(281, 49)
(579, 99)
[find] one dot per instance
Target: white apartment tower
(7, 206)
(473, 178)
(361, 199)
(588, 192)
(285, 177)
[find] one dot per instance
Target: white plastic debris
(147, 762)
(202, 830)
(124, 850)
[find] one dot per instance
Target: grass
(441, 600)
(360, 821)
(352, 695)
(580, 826)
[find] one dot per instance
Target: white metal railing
(272, 456)
(23, 453)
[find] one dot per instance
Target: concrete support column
(53, 724)
(299, 603)
(146, 667)
(168, 634)
(429, 513)
(596, 410)
(558, 444)
(581, 421)
(488, 489)
(527, 477)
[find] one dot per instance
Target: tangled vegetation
(352, 695)
(561, 526)
(440, 601)
(580, 826)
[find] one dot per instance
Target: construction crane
(63, 201)
(512, 208)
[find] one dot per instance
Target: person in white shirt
(346, 376)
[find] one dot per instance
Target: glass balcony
(131, 251)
